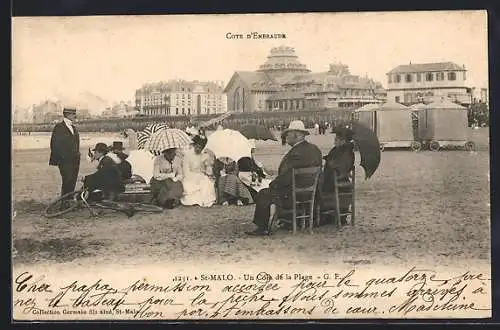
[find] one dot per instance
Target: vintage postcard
(251, 167)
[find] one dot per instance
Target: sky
(112, 56)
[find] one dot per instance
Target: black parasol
(257, 132)
(369, 148)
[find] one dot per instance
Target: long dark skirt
(230, 188)
(166, 191)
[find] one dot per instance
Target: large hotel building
(180, 98)
(282, 83)
(427, 82)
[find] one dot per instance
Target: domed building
(283, 83)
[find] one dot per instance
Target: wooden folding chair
(303, 197)
(342, 191)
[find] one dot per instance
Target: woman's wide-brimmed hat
(167, 150)
(200, 141)
(295, 125)
(191, 131)
(344, 133)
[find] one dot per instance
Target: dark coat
(107, 177)
(341, 160)
(64, 146)
(125, 170)
(301, 155)
(248, 164)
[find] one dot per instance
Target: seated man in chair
(107, 178)
(270, 200)
(341, 161)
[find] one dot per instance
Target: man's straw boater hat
(296, 125)
(69, 110)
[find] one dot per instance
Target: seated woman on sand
(166, 185)
(198, 177)
(230, 188)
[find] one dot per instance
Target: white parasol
(142, 162)
(229, 143)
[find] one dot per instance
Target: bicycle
(78, 199)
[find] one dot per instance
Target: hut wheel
(470, 146)
(434, 146)
(416, 146)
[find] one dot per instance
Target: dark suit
(65, 154)
(303, 154)
(107, 178)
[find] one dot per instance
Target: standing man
(65, 150)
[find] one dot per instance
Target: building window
(419, 77)
(189, 111)
(398, 78)
(396, 99)
(183, 112)
(440, 76)
(452, 76)
(408, 78)
(429, 76)
(176, 111)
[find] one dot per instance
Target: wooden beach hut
(444, 124)
(367, 115)
(391, 122)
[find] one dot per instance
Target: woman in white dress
(198, 181)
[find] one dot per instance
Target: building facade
(180, 98)
(49, 111)
(283, 83)
(120, 109)
(427, 82)
(22, 115)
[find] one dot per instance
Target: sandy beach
(430, 207)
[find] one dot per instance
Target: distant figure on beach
(131, 135)
(65, 150)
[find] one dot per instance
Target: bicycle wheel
(64, 204)
(147, 208)
(112, 205)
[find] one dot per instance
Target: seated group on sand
(193, 176)
(188, 176)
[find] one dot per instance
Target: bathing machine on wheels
(442, 125)
(392, 122)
